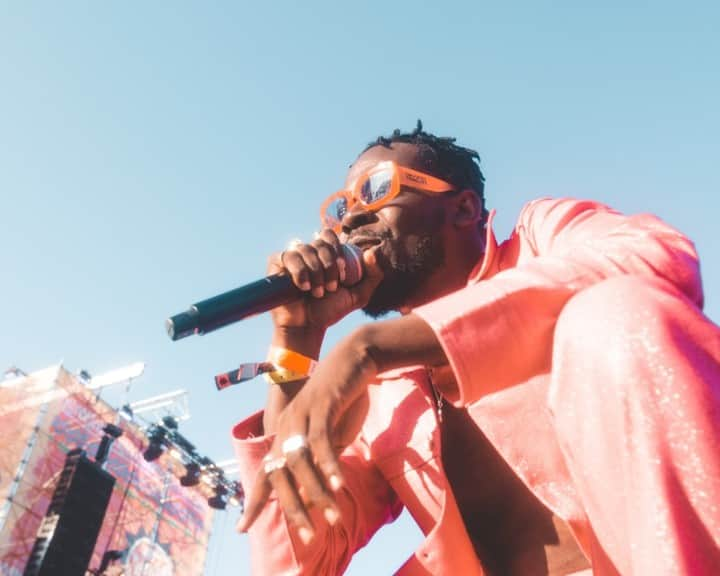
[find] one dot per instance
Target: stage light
(153, 452)
(126, 412)
(237, 498)
(192, 475)
(112, 430)
(157, 444)
(219, 500)
(170, 422)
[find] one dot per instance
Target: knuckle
(328, 468)
(296, 516)
(295, 460)
(316, 437)
(300, 276)
(327, 254)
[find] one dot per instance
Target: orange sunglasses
(375, 188)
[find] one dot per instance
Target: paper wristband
(291, 360)
(281, 376)
(290, 365)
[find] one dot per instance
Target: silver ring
(272, 464)
(293, 444)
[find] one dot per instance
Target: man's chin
(375, 313)
(390, 296)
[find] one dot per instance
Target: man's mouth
(365, 242)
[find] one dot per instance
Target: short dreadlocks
(442, 158)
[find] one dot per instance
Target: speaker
(67, 535)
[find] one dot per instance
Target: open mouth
(365, 242)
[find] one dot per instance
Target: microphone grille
(353, 261)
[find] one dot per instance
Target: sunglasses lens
(376, 187)
(334, 212)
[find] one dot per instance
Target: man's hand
(327, 415)
(318, 269)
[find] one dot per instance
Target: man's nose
(357, 216)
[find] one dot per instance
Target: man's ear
(467, 209)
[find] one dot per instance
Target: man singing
(546, 405)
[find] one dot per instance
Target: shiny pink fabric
(580, 350)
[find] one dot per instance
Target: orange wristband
(291, 360)
(289, 365)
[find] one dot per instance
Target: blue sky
(154, 154)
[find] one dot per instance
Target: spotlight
(153, 452)
(112, 430)
(237, 498)
(192, 475)
(219, 501)
(170, 422)
(157, 444)
(126, 412)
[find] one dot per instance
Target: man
(549, 405)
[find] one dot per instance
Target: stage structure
(68, 456)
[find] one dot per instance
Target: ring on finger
(272, 463)
(293, 444)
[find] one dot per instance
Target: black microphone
(250, 299)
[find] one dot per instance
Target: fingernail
(331, 516)
(240, 526)
(341, 269)
(318, 291)
(305, 535)
(332, 286)
(305, 286)
(335, 483)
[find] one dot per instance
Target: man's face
(409, 230)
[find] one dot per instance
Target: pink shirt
(497, 333)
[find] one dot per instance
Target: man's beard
(406, 268)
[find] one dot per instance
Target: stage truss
(154, 525)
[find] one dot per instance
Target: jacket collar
(487, 265)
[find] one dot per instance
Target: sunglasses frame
(400, 176)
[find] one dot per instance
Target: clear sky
(153, 154)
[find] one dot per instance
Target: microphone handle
(232, 306)
(250, 299)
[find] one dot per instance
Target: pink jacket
(501, 327)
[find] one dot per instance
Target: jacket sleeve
(498, 332)
(366, 503)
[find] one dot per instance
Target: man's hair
(442, 158)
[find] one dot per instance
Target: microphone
(250, 299)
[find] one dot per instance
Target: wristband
(281, 376)
(289, 365)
